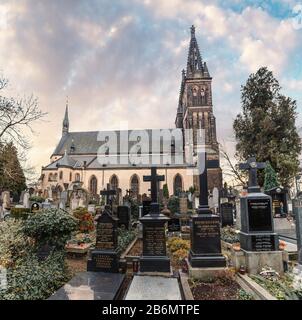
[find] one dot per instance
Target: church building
(93, 160)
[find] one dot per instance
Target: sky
(122, 60)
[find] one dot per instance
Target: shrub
(86, 222)
(173, 204)
(125, 237)
(33, 279)
(14, 245)
(19, 213)
(50, 226)
(37, 199)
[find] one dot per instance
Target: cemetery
(153, 214)
(98, 254)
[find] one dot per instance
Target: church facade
(122, 158)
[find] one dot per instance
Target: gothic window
(177, 187)
(55, 177)
(70, 176)
(107, 151)
(61, 175)
(50, 178)
(93, 185)
(77, 177)
(113, 182)
(134, 185)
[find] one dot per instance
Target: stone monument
(259, 243)
(154, 257)
(104, 257)
(205, 256)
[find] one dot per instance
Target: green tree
(266, 127)
(165, 191)
(270, 177)
(11, 174)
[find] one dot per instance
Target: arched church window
(77, 177)
(93, 185)
(113, 182)
(177, 187)
(134, 185)
(70, 176)
(50, 178)
(61, 175)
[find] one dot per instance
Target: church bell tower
(195, 111)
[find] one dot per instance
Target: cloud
(122, 60)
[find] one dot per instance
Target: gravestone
(123, 214)
(205, 229)
(215, 195)
(146, 206)
(299, 234)
(26, 197)
(46, 204)
(154, 257)
(104, 256)
(108, 193)
(174, 225)
(279, 201)
(91, 286)
(6, 202)
(35, 206)
(257, 228)
(226, 214)
(183, 204)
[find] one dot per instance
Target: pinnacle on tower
(65, 129)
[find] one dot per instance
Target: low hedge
(20, 213)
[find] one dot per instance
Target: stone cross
(154, 179)
(108, 193)
(252, 166)
(203, 181)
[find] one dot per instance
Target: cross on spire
(108, 193)
(154, 179)
(252, 166)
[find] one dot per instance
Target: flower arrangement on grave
(228, 234)
(85, 220)
(178, 248)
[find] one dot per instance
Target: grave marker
(257, 228)
(105, 257)
(123, 214)
(154, 258)
(226, 214)
(205, 230)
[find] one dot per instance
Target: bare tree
(232, 170)
(16, 116)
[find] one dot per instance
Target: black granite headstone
(105, 257)
(154, 257)
(124, 216)
(205, 228)
(226, 214)
(174, 225)
(91, 286)
(146, 207)
(257, 229)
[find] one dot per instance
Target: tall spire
(194, 63)
(65, 129)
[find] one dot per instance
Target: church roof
(88, 143)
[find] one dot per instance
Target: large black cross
(154, 179)
(252, 166)
(108, 193)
